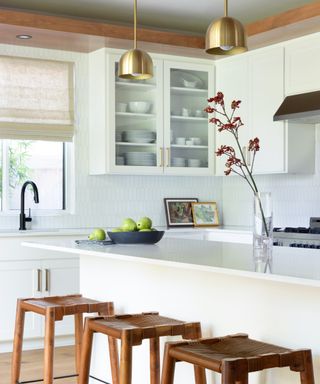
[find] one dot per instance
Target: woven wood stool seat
(234, 357)
(54, 309)
(132, 330)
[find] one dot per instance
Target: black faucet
(23, 218)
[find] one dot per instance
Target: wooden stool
(131, 330)
(234, 357)
(54, 309)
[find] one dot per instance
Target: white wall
(106, 200)
(295, 197)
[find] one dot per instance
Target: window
(36, 119)
(40, 161)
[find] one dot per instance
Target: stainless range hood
(302, 108)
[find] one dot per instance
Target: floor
(32, 365)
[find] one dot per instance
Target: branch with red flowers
(230, 123)
(225, 121)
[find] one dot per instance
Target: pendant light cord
(135, 24)
(225, 8)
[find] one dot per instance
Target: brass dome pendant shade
(135, 64)
(226, 36)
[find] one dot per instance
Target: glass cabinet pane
(136, 121)
(188, 121)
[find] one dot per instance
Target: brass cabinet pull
(161, 157)
(39, 280)
(47, 271)
(168, 157)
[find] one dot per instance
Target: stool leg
(306, 376)
(234, 372)
(49, 346)
(17, 344)
(86, 354)
(126, 359)
(114, 359)
(154, 361)
(78, 327)
(167, 376)
(199, 375)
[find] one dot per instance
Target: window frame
(67, 185)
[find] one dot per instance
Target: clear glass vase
(262, 231)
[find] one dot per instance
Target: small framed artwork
(179, 212)
(205, 214)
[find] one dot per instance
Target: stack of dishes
(178, 162)
(194, 163)
(118, 136)
(146, 159)
(119, 160)
(139, 136)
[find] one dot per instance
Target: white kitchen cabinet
(128, 141)
(18, 279)
(188, 138)
(257, 78)
(24, 279)
(302, 65)
(28, 273)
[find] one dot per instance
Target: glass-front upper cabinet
(135, 121)
(188, 138)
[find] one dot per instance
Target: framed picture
(179, 212)
(205, 214)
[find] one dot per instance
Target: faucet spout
(23, 218)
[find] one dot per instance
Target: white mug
(185, 112)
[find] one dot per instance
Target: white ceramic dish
(139, 106)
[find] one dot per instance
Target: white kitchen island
(211, 282)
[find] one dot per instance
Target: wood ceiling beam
(59, 32)
(284, 19)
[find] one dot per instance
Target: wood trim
(284, 19)
(93, 28)
(66, 33)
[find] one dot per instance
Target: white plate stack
(145, 159)
(178, 162)
(139, 136)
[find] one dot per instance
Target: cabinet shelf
(131, 114)
(189, 118)
(188, 91)
(128, 144)
(189, 146)
(135, 86)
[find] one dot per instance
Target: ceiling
(177, 15)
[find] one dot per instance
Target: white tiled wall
(106, 200)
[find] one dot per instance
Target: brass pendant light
(226, 36)
(135, 64)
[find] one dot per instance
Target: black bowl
(136, 237)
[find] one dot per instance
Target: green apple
(117, 230)
(128, 225)
(97, 234)
(145, 230)
(144, 223)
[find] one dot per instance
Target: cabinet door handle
(168, 157)
(161, 157)
(39, 280)
(47, 272)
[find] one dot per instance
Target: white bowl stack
(146, 159)
(178, 162)
(139, 136)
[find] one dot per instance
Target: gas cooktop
(299, 237)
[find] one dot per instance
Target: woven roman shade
(36, 99)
